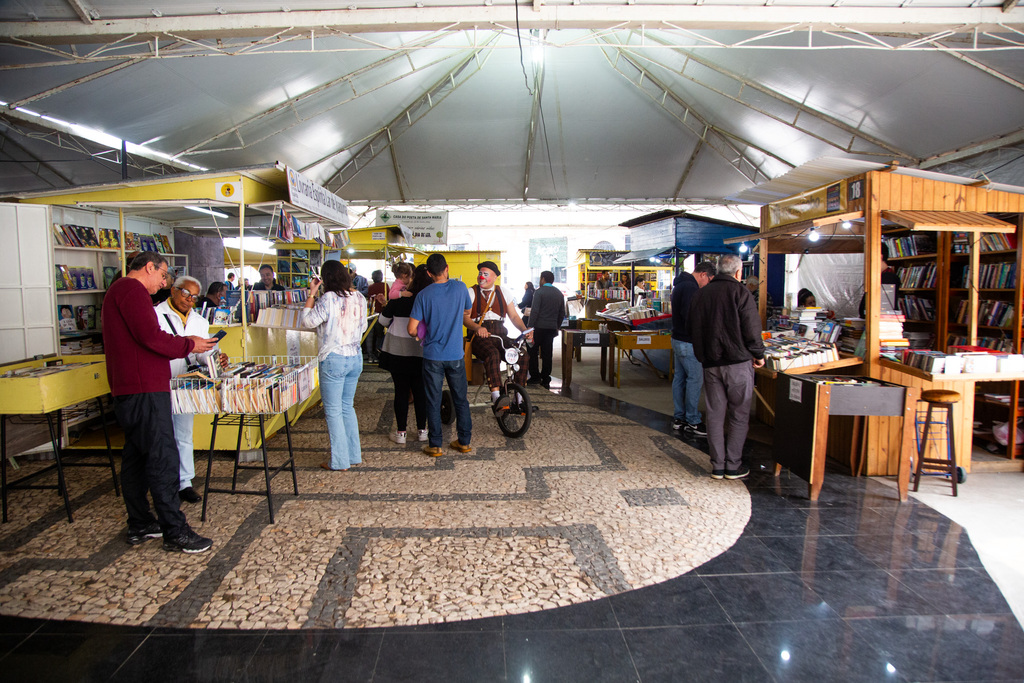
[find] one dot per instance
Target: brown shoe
(433, 451)
(461, 448)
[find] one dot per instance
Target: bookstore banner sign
(839, 197)
(315, 198)
(426, 228)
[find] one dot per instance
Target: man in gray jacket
(546, 315)
(726, 331)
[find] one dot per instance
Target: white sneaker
(424, 435)
(397, 437)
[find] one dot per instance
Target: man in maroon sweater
(138, 371)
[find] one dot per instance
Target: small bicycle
(513, 409)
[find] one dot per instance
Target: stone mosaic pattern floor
(586, 505)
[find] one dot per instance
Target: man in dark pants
(726, 331)
(546, 315)
(688, 379)
(137, 353)
(441, 308)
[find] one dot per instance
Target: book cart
(852, 215)
(44, 389)
(246, 395)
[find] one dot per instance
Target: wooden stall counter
(963, 411)
(804, 406)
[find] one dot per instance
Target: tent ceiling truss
(724, 143)
(798, 108)
(976, 27)
(54, 135)
(294, 117)
(385, 137)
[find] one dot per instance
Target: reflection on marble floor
(855, 587)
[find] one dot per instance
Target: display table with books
(642, 342)
(245, 394)
(46, 388)
(804, 405)
(573, 341)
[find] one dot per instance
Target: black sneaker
(677, 425)
(151, 530)
(741, 473)
(187, 541)
(699, 429)
(717, 474)
(189, 495)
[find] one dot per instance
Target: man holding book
(726, 330)
(176, 316)
(137, 353)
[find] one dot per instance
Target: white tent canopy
(423, 103)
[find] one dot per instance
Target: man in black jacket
(689, 374)
(726, 331)
(546, 313)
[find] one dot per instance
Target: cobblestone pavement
(586, 505)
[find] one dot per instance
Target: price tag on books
(643, 340)
(592, 338)
(796, 390)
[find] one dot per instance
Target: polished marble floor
(854, 587)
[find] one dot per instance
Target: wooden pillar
(872, 270)
(762, 282)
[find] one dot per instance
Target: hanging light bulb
(814, 235)
(744, 248)
(846, 225)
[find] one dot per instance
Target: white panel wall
(27, 300)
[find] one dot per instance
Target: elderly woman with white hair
(176, 316)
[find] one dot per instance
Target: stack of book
(43, 371)
(784, 353)
(890, 335)
(806, 320)
(911, 245)
(919, 340)
(852, 331)
(917, 277)
(918, 308)
(990, 313)
(81, 346)
(69, 278)
(281, 316)
(995, 343)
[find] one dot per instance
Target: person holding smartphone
(137, 353)
(339, 318)
(177, 316)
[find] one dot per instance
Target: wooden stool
(942, 398)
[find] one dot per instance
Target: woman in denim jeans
(340, 320)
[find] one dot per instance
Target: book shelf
(294, 260)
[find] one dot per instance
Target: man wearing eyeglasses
(137, 353)
(176, 316)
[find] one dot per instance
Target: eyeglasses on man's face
(188, 295)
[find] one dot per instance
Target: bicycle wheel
(447, 408)
(514, 411)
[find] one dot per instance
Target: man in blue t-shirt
(440, 309)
